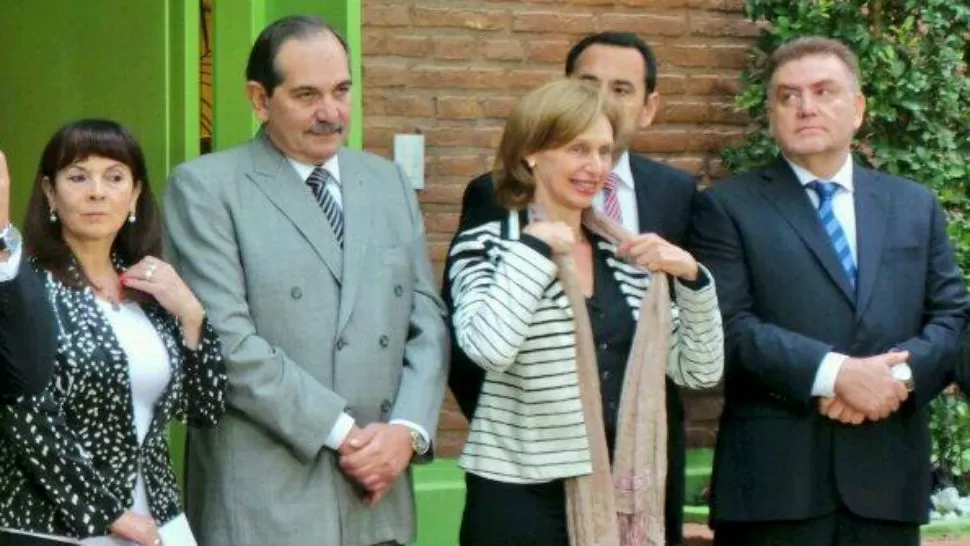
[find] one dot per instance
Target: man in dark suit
(27, 331)
(843, 308)
(644, 195)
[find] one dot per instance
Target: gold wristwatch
(418, 444)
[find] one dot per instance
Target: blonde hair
(546, 118)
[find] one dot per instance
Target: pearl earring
(131, 217)
(53, 216)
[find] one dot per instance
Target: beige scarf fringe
(625, 507)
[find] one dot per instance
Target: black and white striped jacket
(511, 316)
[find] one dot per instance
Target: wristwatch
(418, 444)
(9, 242)
(903, 373)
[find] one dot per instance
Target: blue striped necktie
(825, 191)
(319, 182)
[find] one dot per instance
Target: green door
(134, 62)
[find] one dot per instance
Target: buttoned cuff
(828, 371)
(341, 429)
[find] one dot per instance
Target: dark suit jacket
(786, 303)
(27, 334)
(664, 197)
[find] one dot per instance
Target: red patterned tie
(611, 205)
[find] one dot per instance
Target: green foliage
(913, 55)
(950, 430)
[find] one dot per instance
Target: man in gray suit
(312, 264)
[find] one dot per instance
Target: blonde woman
(548, 301)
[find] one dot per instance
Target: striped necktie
(611, 204)
(825, 191)
(319, 182)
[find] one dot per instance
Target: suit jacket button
(398, 290)
(384, 341)
(296, 293)
(341, 343)
(385, 406)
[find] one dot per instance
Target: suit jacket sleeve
(422, 387)
(477, 207)
(784, 361)
(478, 204)
(265, 385)
(945, 308)
(27, 334)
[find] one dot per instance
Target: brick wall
(453, 69)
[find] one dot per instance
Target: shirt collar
(623, 170)
(332, 166)
(843, 177)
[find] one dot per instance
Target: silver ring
(158, 542)
(149, 272)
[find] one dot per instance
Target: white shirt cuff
(413, 426)
(828, 370)
(9, 268)
(339, 431)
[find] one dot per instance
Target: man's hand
(837, 410)
(356, 439)
(377, 463)
(866, 385)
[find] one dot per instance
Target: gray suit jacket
(309, 331)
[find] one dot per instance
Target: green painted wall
(236, 24)
(61, 60)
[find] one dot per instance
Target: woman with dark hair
(88, 456)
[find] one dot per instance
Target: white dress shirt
(345, 422)
(843, 207)
(149, 371)
(625, 194)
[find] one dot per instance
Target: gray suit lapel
(275, 177)
(358, 215)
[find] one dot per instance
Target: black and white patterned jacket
(69, 457)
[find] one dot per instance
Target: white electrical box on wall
(409, 154)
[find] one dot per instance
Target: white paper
(173, 533)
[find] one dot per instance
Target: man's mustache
(326, 128)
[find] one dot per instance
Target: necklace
(104, 293)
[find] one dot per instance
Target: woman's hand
(136, 528)
(557, 235)
(158, 279)
(651, 251)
